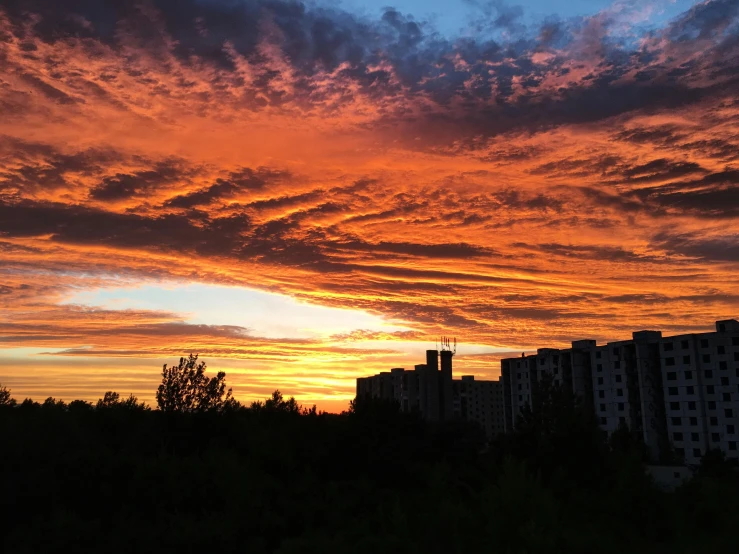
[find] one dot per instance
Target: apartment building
(431, 390)
(680, 393)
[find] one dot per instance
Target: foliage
(185, 388)
(5, 398)
(277, 478)
(113, 400)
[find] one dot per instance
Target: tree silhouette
(185, 388)
(113, 400)
(278, 404)
(5, 398)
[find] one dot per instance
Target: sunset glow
(305, 194)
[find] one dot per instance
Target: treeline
(206, 474)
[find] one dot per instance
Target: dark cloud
(83, 225)
(705, 20)
(714, 196)
(240, 181)
(601, 165)
(723, 249)
(26, 167)
(441, 251)
(127, 185)
(590, 252)
(397, 55)
(661, 135)
(660, 170)
(513, 199)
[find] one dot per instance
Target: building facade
(431, 390)
(680, 393)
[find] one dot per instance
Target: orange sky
(515, 191)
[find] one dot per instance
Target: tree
(5, 398)
(113, 400)
(278, 404)
(185, 388)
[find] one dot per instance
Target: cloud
(524, 184)
(123, 186)
(721, 249)
(244, 180)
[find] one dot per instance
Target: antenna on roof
(448, 346)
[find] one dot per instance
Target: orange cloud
(569, 186)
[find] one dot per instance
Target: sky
(304, 194)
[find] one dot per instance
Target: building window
(617, 364)
(706, 358)
(598, 354)
(736, 356)
(603, 421)
(714, 421)
(735, 341)
(685, 344)
(724, 381)
(680, 452)
(686, 359)
(693, 421)
(732, 445)
(672, 391)
(618, 378)
(601, 394)
(730, 429)
(694, 437)
(622, 420)
(726, 397)
(720, 349)
(677, 436)
(711, 405)
(723, 365)
(599, 367)
(691, 406)
(690, 390)
(709, 374)
(697, 452)
(671, 376)
(520, 398)
(704, 343)
(520, 386)
(541, 361)
(688, 374)
(715, 437)
(710, 389)
(600, 380)
(620, 406)
(677, 421)
(674, 405)
(615, 351)
(602, 407)
(668, 346)
(619, 392)
(728, 412)
(669, 361)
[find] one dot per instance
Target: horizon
(307, 193)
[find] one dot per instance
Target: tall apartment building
(431, 390)
(680, 393)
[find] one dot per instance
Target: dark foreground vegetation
(205, 474)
